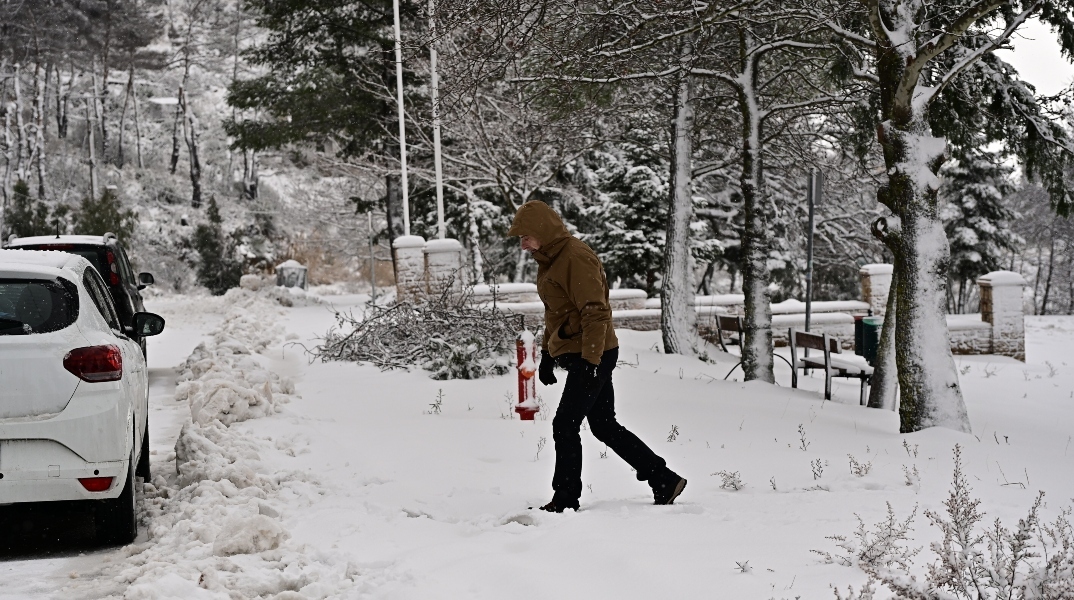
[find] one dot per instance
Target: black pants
(596, 403)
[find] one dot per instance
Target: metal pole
(441, 229)
(811, 197)
(402, 117)
(372, 260)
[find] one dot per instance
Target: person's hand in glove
(545, 371)
(587, 371)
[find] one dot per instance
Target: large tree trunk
(757, 349)
(928, 379)
(679, 313)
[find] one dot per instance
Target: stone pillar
(1001, 305)
(875, 286)
(443, 265)
(409, 267)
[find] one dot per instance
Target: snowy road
(348, 484)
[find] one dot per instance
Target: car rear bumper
(34, 479)
(41, 459)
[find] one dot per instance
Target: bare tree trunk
(90, 125)
(98, 101)
(249, 174)
(1051, 267)
(121, 159)
(5, 187)
(190, 130)
(21, 140)
(39, 153)
(137, 129)
(175, 132)
(520, 266)
(63, 97)
(475, 241)
(678, 313)
(757, 359)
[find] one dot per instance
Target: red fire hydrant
(527, 368)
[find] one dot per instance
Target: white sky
(1036, 56)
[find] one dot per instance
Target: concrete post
(1001, 305)
(443, 265)
(409, 267)
(875, 286)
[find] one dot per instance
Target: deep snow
(355, 486)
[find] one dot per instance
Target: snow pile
(215, 531)
(222, 380)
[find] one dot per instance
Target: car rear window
(95, 255)
(29, 306)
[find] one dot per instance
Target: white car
(74, 390)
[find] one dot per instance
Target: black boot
(667, 488)
(558, 507)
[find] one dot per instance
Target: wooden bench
(729, 324)
(833, 366)
(726, 324)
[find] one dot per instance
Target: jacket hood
(537, 219)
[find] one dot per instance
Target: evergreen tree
(25, 217)
(629, 216)
(976, 220)
(218, 270)
(326, 67)
(104, 215)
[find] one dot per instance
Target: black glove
(545, 369)
(586, 371)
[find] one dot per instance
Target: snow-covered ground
(339, 480)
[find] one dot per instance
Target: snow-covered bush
(446, 335)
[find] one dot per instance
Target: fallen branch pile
(446, 335)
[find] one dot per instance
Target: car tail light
(55, 247)
(113, 268)
(95, 363)
(96, 484)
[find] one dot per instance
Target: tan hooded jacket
(572, 286)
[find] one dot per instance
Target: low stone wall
(424, 267)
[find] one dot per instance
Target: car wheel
(115, 520)
(143, 461)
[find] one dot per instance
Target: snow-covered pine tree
(977, 221)
(628, 182)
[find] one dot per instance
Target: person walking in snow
(579, 337)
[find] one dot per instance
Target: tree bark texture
(757, 356)
(678, 314)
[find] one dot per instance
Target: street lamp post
(441, 229)
(402, 118)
